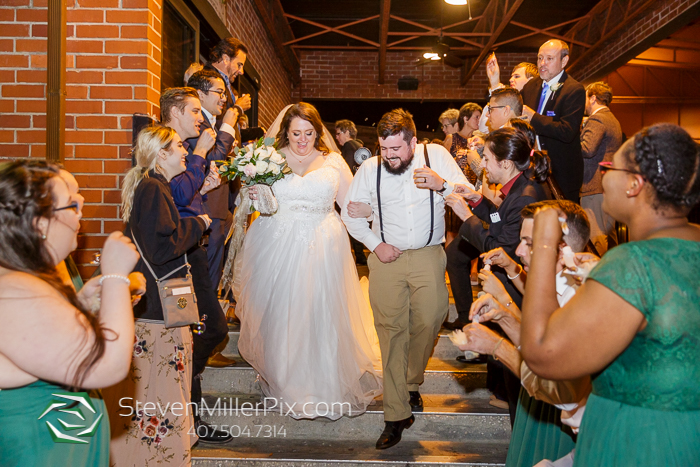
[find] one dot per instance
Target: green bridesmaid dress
(43, 424)
(645, 406)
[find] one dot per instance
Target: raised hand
(212, 181)
(205, 142)
(119, 255)
(230, 117)
(243, 102)
(426, 178)
(493, 71)
(498, 257)
(491, 285)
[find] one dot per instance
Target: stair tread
(407, 451)
(434, 365)
(434, 404)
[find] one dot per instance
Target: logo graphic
(72, 404)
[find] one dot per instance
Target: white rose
(275, 169)
(261, 166)
(276, 157)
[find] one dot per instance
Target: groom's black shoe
(392, 432)
(416, 401)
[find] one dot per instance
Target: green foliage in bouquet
(256, 163)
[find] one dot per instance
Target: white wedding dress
(306, 326)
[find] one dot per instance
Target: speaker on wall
(408, 83)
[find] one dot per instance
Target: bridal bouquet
(257, 163)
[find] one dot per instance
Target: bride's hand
(253, 192)
(357, 209)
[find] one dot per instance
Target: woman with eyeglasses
(53, 350)
(634, 325)
(161, 371)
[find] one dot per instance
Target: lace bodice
(314, 193)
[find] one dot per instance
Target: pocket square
(551, 113)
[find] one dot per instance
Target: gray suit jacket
(600, 139)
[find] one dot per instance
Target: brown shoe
(219, 361)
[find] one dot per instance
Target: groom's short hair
(395, 122)
(576, 219)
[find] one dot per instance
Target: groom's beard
(403, 167)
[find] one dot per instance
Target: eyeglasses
(496, 107)
(220, 93)
(605, 167)
(74, 206)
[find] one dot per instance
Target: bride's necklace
(300, 159)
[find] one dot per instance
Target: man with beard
(407, 286)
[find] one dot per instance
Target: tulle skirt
(306, 326)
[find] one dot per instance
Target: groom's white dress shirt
(405, 208)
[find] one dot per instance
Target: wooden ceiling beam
(436, 33)
(496, 16)
(609, 29)
(272, 15)
(548, 32)
(328, 29)
(384, 16)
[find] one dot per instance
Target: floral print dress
(161, 375)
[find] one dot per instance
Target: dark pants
(208, 304)
(359, 249)
(215, 251)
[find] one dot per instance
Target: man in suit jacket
(227, 60)
(555, 103)
(600, 139)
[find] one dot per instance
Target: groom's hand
(387, 253)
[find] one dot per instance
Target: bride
(306, 326)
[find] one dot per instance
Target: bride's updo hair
(306, 112)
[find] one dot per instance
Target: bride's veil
(327, 138)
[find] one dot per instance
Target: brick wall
(662, 13)
(243, 22)
(353, 75)
(112, 71)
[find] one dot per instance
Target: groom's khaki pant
(410, 302)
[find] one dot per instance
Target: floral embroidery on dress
(140, 347)
(178, 358)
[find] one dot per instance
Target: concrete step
(444, 349)
(445, 417)
(279, 452)
(442, 376)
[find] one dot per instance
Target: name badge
(495, 217)
(551, 113)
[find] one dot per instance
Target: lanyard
(379, 199)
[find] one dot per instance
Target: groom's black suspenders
(379, 198)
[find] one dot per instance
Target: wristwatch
(444, 187)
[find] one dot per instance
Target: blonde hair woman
(161, 368)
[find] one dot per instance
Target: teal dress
(74, 432)
(537, 433)
(645, 406)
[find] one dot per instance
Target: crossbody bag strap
(432, 204)
(149, 266)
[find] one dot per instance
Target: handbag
(177, 295)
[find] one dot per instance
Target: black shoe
(454, 325)
(392, 432)
(479, 359)
(208, 434)
(416, 401)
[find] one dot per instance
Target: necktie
(540, 106)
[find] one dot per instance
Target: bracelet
(510, 302)
(496, 348)
(515, 276)
(115, 276)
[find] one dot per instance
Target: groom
(407, 287)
